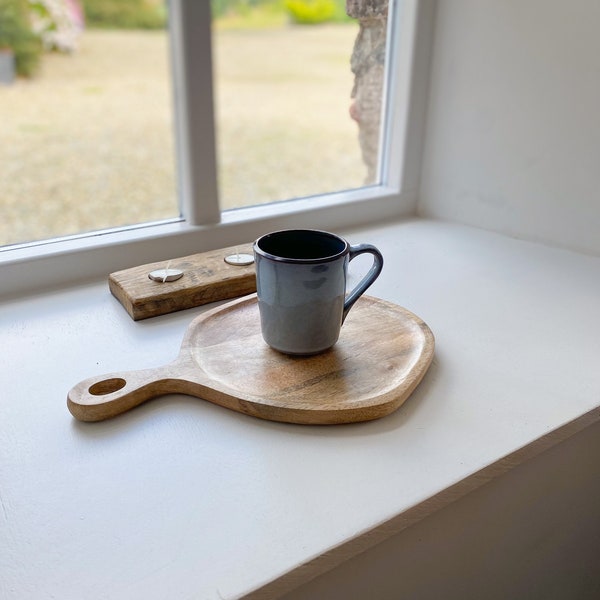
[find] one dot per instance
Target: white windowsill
(180, 498)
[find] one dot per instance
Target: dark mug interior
(302, 244)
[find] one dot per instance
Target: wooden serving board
(382, 354)
(206, 278)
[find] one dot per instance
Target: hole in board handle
(108, 386)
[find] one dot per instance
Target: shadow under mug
(301, 286)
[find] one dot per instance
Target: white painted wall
(513, 130)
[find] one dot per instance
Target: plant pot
(7, 66)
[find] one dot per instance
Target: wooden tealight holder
(206, 277)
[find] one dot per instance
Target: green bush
(248, 14)
(125, 14)
(310, 12)
(263, 13)
(16, 35)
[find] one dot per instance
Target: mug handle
(368, 279)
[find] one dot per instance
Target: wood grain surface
(206, 278)
(382, 354)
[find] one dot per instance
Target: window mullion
(190, 25)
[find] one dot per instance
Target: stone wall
(368, 66)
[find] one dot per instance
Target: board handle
(106, 396)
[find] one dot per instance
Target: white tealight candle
(240, 260)
(164, 275)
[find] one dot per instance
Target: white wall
(513, 130)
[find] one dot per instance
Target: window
(87, 140)
(286, 127)
(203, 225)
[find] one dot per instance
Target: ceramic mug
(301, 286)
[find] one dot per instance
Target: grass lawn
(88, 143)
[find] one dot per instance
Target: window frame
(29, 268)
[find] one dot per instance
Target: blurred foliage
(125, 14)
(223, 7)
(310, 12)
(273, 13)
(23, 34)
(152, 14)
(58, 23)
(248, 14)
(16, 35)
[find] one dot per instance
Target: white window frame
(30, 268)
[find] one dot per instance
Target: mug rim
(328, 258)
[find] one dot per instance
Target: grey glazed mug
(301, 286)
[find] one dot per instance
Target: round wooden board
(383, 353)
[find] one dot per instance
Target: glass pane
(86, 140)
(298, 96)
